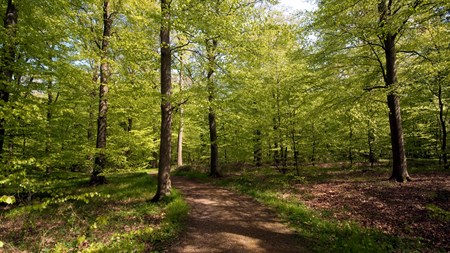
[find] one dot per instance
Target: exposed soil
(418, 209)
(223, 221)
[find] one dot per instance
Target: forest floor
(223, 221)
(418, 209)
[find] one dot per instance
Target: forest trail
(223, 221)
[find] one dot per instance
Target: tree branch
(415, 53)
(375, 87)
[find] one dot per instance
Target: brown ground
(223, 221)
(398, 209)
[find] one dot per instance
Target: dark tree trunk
(294, 149)
(257, 153)
(399, 167)
(130, 124)
(211, 46)
(313, 151)
(370, 142)
(443, 128)
(49, 118)
(100, 159)
(164, 183)
(7, 62)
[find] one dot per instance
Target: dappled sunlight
(223, 221)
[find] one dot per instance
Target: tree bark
(181, 126)
(8, 59)
(211, 46)
(180, 140)
(443, 128)
(100, 159)
(257, 153)
(164, 183)
(49, 118)
(370, 143)
(399, 165)
(93, 94)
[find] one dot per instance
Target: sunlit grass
(117, 216)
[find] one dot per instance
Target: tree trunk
(7, 61)
(180, 140)
(294, 149)
(100, 159)
(443, 128)
(350, 147)
(164, 183)
(93, 94)
(214, 155)
(49, 118)
(181, 126)
(399, 167)
(370, 143)
(257, 153)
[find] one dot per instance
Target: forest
(321, 108)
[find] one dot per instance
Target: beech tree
(164, 183)
(376, 32)
(7, 63)
(105, 73)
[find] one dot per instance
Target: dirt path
(223, 221)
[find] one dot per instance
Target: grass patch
(114, 217)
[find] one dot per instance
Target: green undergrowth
(191, 173)
(321, 233)
(74, 217)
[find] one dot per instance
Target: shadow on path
(223, 221)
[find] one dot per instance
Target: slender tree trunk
(257, 153)
(181, 126)
(294, 149)
(350, 147)
(100, 159)
(93, 94)
(399, 167)
(313, 151)
(164, 183)
(276, 128)
(214, 155)
(180, 140)
(370, 140)
(49, 118)
(7, 62)
(130, 124)
(443, 128)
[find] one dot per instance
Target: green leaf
(8, 199)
